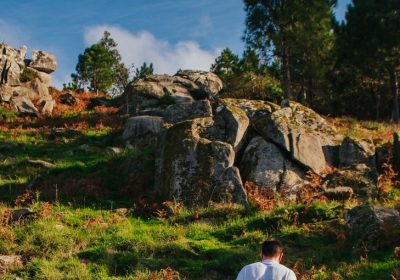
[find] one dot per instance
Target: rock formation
(208, 147)
(24, 82)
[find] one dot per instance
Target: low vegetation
(62, 242)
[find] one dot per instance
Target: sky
(173, 34)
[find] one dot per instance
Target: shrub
(28, 75)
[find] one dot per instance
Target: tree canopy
(100, 68)
(296, 34)
(369, 40)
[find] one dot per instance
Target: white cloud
(143, 46)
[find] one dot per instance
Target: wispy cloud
(203, 28)
(143, 46)
(11, 34)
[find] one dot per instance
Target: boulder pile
(209, 147)
(24, 83)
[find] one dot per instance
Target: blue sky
(171, 33)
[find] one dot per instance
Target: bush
(250, 85)
(28, 75)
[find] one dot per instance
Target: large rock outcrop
(24, 82)
(209, 147)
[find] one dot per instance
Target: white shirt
(266, 270)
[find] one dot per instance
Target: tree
(289, 31)
(370, 39)
(143, 71)
(250, 61)
(95, 68)
(100, 67)
(245, 77)
(227, 63)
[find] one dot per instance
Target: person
(269, 268)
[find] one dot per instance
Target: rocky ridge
(24, 83)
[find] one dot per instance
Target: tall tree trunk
(394, 85)
(378, 105)
(378, 101)
(310, 93)
(286, 70)
(302, 98)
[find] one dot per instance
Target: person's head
(272, 249)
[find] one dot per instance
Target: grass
(80, 154)
(61, 242)
(379, 132)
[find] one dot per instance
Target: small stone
(339, 193)
(41, 163)
(122, 211)
(397, 252)
(115, 150)
(20, 214)
(68, 99)
(85, 147)
(10, 262)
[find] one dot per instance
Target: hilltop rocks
(184, 92)
(43, 61)
(159, 86)
(207, 82)
(373, 227)
(24, 82)
(208, 147)
(24, 105)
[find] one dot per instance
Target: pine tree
(225, 64)
(100, 67)
(292, 32)
(143, 71)
(370, 40)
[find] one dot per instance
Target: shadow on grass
(86, 172)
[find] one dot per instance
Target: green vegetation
(297, 50)
(80, 155)
(100, 67)
(77, 232)
(296, 35)
(143, 71)
(246, 77)
(28, 75)
(65, 243)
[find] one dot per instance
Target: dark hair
(271, 248)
